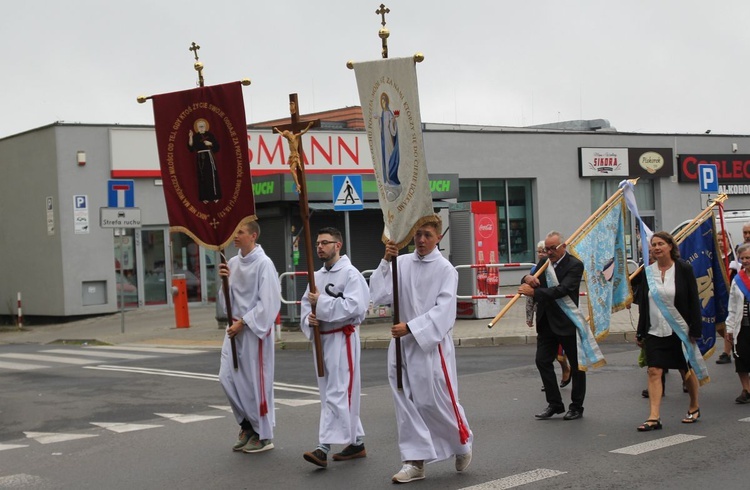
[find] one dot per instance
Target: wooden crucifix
(293, 133)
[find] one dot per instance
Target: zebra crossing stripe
(5, 447)
(21, 367)
(43, 358)
(51, 437)
(187, 418)
(517, 480)
(104, 355)
(120, 427)
(645, 447)
(156, 350)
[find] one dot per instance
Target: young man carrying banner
(256, 299)
(432, 425)
(338, 313)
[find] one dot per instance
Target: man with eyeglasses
(553, 326)
(337, 308)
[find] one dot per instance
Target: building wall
(31, 259)
(562, 199)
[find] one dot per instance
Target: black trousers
(546, 352)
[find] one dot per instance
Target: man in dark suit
(555, 328)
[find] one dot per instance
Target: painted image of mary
(389, 148)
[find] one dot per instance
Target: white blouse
(666, 288)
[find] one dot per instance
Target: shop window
(514, 214)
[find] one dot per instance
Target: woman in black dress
(669, 312)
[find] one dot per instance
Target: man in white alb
(340, 303)
(432, 425)
(255, 296)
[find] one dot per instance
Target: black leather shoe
(573, 414)
(549, 412)
(566, 382)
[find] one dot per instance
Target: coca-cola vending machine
(474, 239)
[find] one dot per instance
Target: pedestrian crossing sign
(347, 193)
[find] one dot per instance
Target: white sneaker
(409, 472)
(463, 461)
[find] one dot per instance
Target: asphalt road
(189, 443)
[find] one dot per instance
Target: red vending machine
(474, 244)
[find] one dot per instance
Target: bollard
(20, 313)
(180, 300)
(277, 326)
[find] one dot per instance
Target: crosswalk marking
(747, 419)
(21, 480)
(43, 358)
(105, 355)
(51, 437)
(120, 427)
(5, 447)
(308, 390)
(645, 447)
(517, 480)
(83, 356)
(187, 418)
(226, 408)
(15, 366)
(156, 350)
(294, 402)
(157, 372)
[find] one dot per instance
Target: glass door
(153, 245)
(186, 260)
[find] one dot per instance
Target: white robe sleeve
(430, 328)
(261, 318)
(305, 310)
(352, 306)
(381, 284)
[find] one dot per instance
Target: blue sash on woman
(680, 328)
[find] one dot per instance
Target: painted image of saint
(204, 145)
(389, 148)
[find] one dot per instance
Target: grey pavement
(157, 326)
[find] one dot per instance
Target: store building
(57, 177)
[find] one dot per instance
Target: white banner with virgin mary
(390, 106)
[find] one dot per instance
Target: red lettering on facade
(341, 144)
(262, 148)
(328, 157)
(690, 168)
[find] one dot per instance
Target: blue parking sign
(708, 178)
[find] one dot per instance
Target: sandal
(692, 417)
(646, 426)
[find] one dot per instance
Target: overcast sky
(674, 66)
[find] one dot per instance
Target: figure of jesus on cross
(294, 158)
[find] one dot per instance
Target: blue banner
(701, 250)
(601, 248)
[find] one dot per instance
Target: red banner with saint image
(202, 143)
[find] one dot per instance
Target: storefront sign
(134, 152)
(626, 162)
(732, 169)
(603, 162)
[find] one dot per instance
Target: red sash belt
(348, 330)
(263, 402)
(463, 432)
